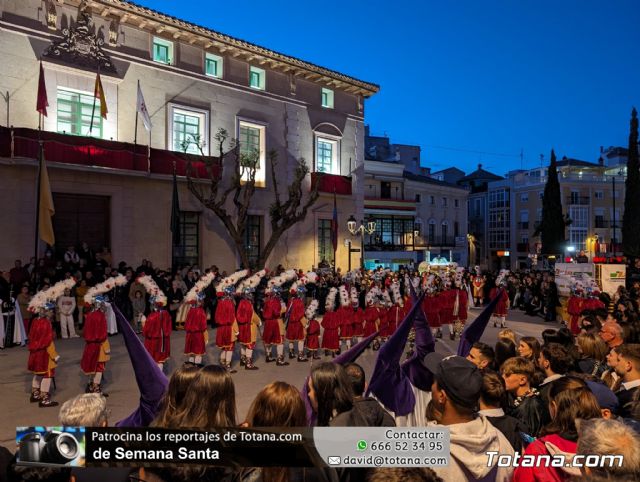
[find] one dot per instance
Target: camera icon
(57, 448)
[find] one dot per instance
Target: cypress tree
(631, 216)
(553, 223)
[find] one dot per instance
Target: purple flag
(474, 330)
(152, 383)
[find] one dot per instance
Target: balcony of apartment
(578, 200)
(395, 204)
(112, 156)
(523, 225)
(332, 183)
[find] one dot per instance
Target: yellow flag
(99, 93)
(46, 209)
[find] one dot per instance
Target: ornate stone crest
(80, 45)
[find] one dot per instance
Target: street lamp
(354, 229)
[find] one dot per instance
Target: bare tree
(232, 174)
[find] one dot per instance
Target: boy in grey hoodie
(455, 393)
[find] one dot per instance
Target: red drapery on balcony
(89, 151)
(331, 183)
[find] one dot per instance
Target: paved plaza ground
(15, 381)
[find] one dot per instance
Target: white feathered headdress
(231, 281)
(104, 287)
(344, 296)
(157, 297)
(330, 302)
(502, 277)
(354, 296)
(397, 297)
(278, 281)
(386, 298)
(251, 282)
(198, 289)
(43, 300)
(311, 310)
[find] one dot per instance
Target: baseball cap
(606, 398)
(457, 376)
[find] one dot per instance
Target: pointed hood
(474, 330)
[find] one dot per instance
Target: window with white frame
(257, 78)
(327, 155)
(213, 65)
(188, 128)
(327, 98)
(162, 51)
(76, 111)
(252, 139)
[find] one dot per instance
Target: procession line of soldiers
(445, 304)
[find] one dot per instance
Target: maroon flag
(42, 102)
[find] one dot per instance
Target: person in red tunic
(574, 309)
(195, 326)
(313, 330)
(371, 314)
(500, 289)
(227, 331)
(396, 312)
(431, 307)
(330, 325)
(96, 348)
(357, 318)
(157, 330)
(447, 299)
(248, 324)
(273, 333)
(345, 317)
(43, 357)
(295, 320)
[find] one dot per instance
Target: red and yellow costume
(296, 323)
(248, 323)
(273, 333)
(225, 318)
(42, 350)
(196, 338)
(330, 338)
(345, 317)
(157, 335)
(97, 349)
(371, 320)
(501, 307)
(313, 335)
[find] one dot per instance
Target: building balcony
(579, 200)
(440, 241)
(100, 153)
(522, 247)
(396, 205)
(332, 183)
(523, 225)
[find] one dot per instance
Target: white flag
(142, 109)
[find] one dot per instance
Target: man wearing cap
(455, 393)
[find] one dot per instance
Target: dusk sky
(469, 81)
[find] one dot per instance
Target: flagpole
(38, 182)
(93, 109)
(135, 135)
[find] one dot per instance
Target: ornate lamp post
(354, 229)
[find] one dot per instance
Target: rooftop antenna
(541, 160)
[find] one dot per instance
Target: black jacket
(366, 412)
(625, 397)
(510, 428)
(531, 411)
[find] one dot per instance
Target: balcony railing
(332, 183)
(523, 225)
(579, 200)
(92, 152)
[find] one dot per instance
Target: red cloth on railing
(89, 151)
(332, 183)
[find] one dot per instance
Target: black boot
(46, 401)
(452, 336)
(292, 355)
(302, 358)
(249, 365)
(280, 361)
(35, 395)
(229, 369)
(439, 334)
(269, 358)
(315, 355)
(243, 360)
